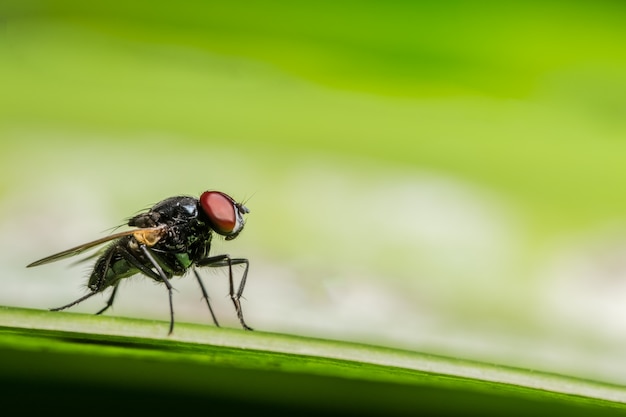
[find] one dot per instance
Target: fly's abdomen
(109, 269)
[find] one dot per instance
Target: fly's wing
(96, 254)
(148, 236)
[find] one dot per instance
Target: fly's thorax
(148, 219)
(173, 210)
(182, 237)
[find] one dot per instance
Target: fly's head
(225, 214)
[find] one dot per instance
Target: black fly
(171, 237)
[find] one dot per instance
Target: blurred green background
(440, 176)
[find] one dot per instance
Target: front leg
(225, 260)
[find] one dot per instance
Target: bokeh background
(446, 177)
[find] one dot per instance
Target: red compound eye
(221, 210)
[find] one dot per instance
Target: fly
(167, 240)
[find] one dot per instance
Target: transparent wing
(148, 236)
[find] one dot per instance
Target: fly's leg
(130, 258)
(94, 292)
(159, 275)
(206, 297)
(102, 282)
(109, 302)
(73, 303)
(148, 253)
(225, 260)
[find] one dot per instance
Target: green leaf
(69, 361)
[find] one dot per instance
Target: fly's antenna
(246, 199)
